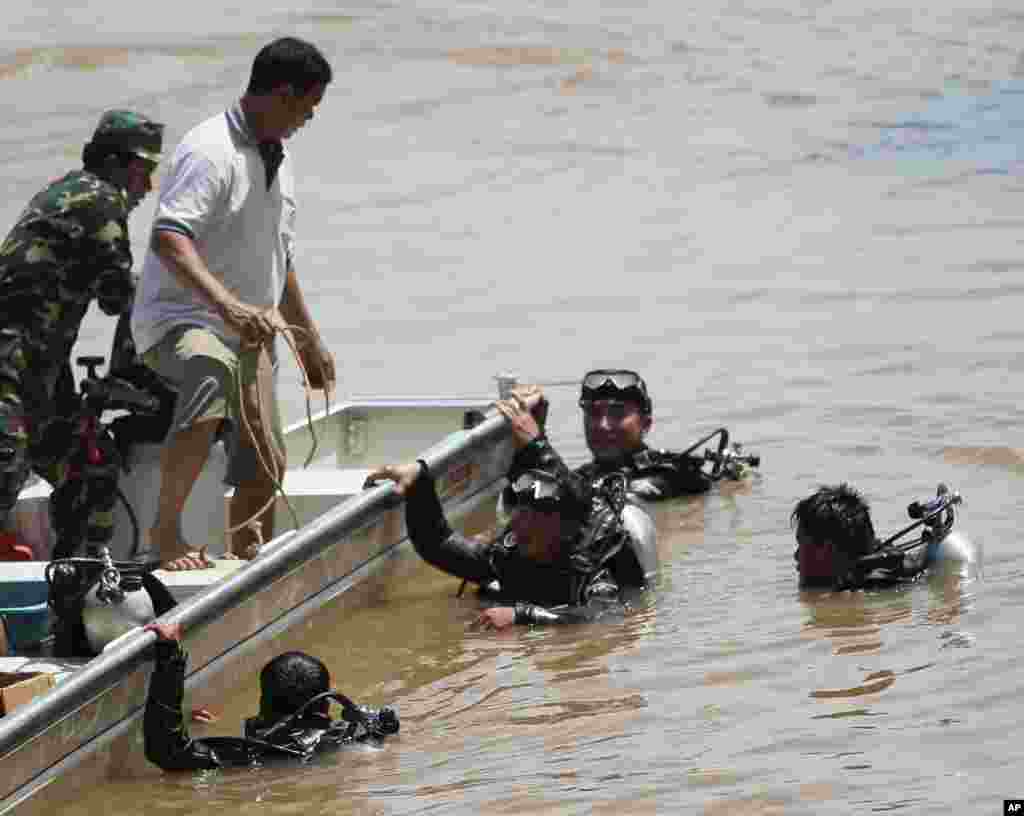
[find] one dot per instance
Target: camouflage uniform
(69, 246)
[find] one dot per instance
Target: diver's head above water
(833, 529)
(289, 681)
(545, 514)
(616, 412)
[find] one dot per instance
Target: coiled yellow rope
(263, 383)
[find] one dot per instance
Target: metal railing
(105, 671)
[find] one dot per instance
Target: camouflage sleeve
(106, 242)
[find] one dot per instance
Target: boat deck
(232, 613)
(182, 585)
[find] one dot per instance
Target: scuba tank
(643, 538)
(111, 609)
(937, 545)
(944, 543)
(614, 504)
(96, 600)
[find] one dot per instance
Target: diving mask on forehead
(537, 490)
(614, 384)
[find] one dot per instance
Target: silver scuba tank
(644, 537)
(114, 605)
(950, 550)
(956, 552)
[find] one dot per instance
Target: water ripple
(984, 130)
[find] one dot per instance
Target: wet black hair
(289, 61)
(288, 681)
(839, 514)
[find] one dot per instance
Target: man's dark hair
(288, 681)
(288, 61)
(838, 514)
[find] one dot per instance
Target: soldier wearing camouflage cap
(121, 138)
(70, 246)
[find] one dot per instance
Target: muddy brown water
(797, 219)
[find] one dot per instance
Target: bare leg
(245, 503)
(181, 461)
(259, 486)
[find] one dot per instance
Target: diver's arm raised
(533, 450)
(431, 535)
(167, 743)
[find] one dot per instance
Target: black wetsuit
(882, 567)
(653, 474)
(888, 566)
(168, 744)
(580, 586)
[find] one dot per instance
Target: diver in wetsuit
(293, 721)
(568, 553)
(616, 417)
(837, 547)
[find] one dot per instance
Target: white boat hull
(231, 619)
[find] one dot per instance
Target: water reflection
(853, 621)
(948, 599)
(26, 61)
(640, 183)
(998, 456)
(855, 624)
(980, 130)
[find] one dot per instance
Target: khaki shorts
(204, 371)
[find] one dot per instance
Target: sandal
(195, 560)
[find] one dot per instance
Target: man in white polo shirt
(219, 281)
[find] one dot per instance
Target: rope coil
(262, 382)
